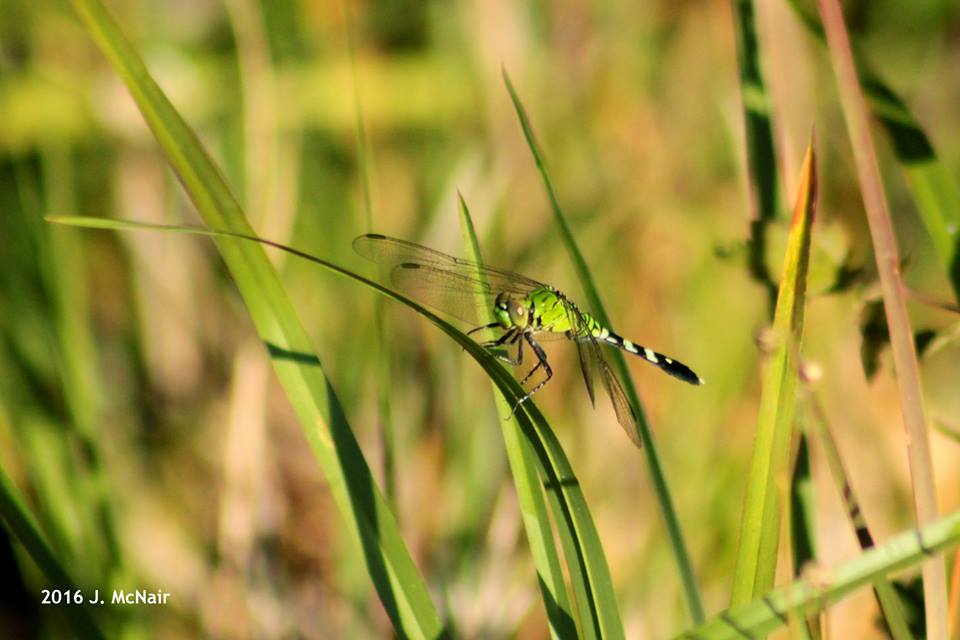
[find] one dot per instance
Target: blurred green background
(129, 369)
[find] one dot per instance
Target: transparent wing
(625, 415)
(441, 281)
(594, 364)
(587, 367)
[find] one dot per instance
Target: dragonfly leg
(508, 338)
(509, 334)
(519, 350)
(541, 362)
(492, 325)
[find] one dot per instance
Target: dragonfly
(525, 312)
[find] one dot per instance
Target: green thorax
(545, 310)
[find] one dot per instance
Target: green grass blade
(85, 489)
(894, 303)
(664, 501)
(803, 598)
(523, 464)
(934, 188)
(759, 533)
(22, 527)
(402, 589)
(763, 181)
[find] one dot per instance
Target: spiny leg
(541, 362)
(530, 373)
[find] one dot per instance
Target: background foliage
(138, 411)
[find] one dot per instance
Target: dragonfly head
(510, 311)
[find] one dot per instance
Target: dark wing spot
(409, 265)
(375, 236)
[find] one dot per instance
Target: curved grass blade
(401, 588)
(894, 303)
(664, 501)
(759, 532)
(23, 528)
(563, 488)
(808, 596)
(523, 465)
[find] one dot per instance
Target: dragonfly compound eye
(518, 314)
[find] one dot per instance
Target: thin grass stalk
(667, 511)
(245, 435)
(801, 522)
(890, 604)
(259, 109)
(955, 596)
(763, 183)
(894, 303)
(384, 347)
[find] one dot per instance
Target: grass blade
(894, 302)
(664, 501)
(759, 533)
(401, 587)
(764, 184)
(56, 256)
(22, 527)
(805, 597)
(523, 464)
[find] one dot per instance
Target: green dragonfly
(525, 311)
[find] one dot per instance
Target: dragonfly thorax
(510, 311)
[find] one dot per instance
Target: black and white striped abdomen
(666, 363)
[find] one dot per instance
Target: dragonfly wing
(625, 414)
(394, 253)
(456, 294)
(593, 363)
(587, 368)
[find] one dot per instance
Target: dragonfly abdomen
(665, 363)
